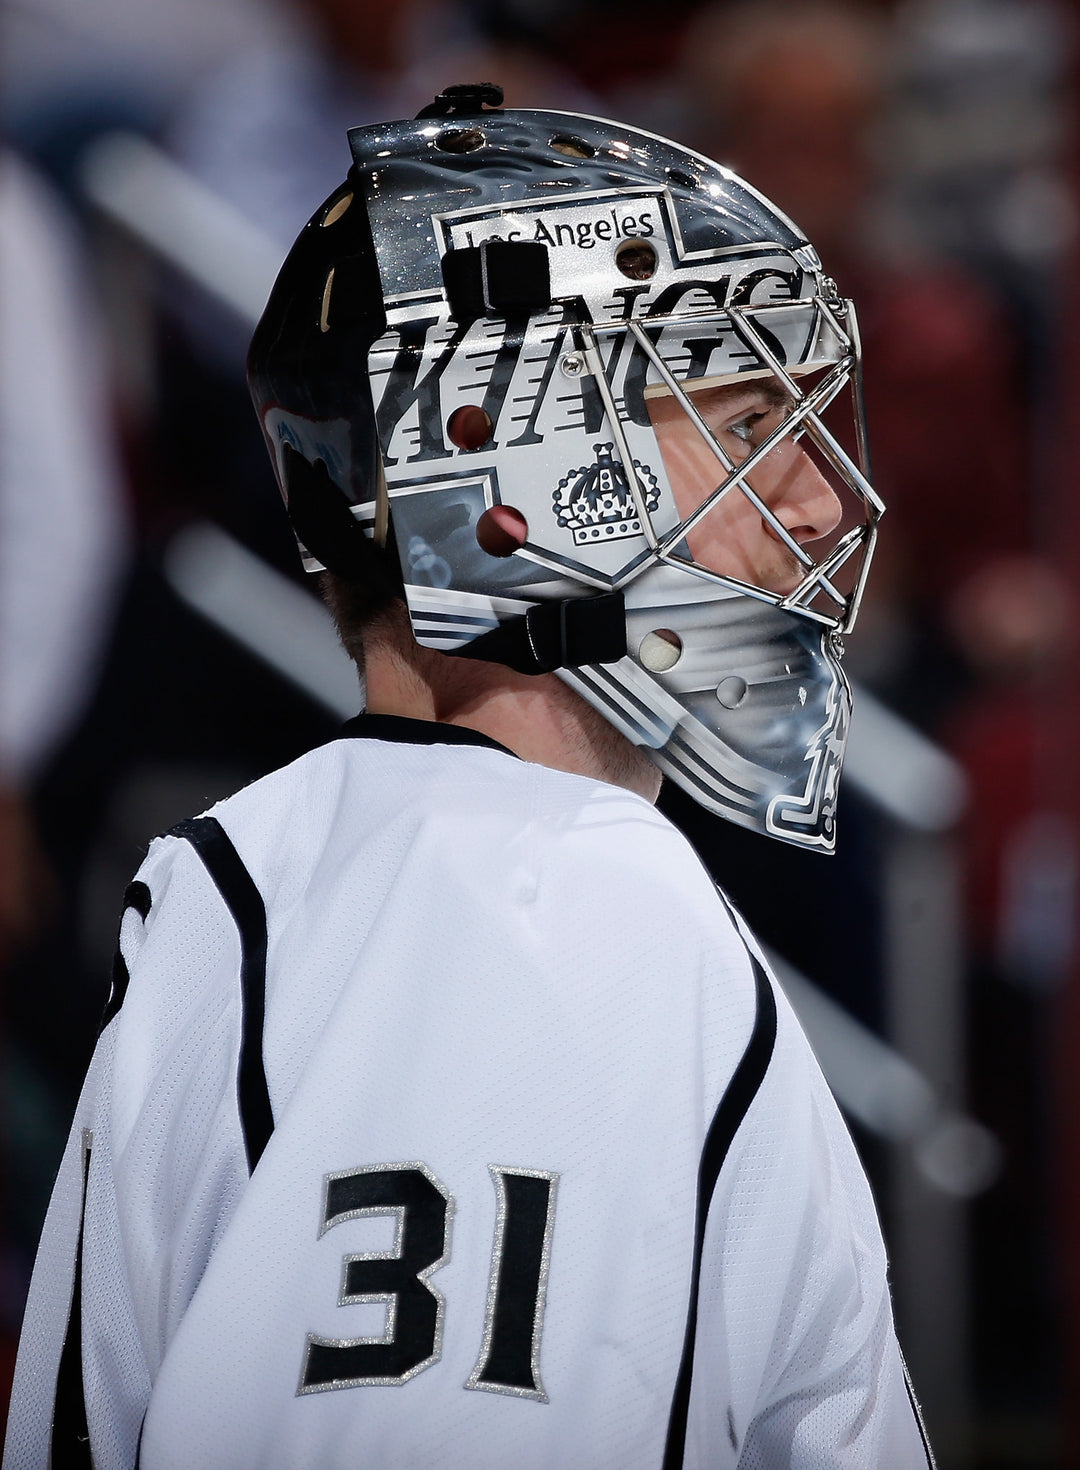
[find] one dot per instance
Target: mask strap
(556, 635)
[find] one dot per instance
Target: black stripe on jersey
(244, 902)
(138, 898)
(70, 1446)
(741, 1091)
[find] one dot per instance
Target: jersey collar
(404, 731)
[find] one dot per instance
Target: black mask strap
(556, 635)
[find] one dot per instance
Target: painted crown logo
(595, 501)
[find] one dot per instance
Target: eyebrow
(775, 394)
(772, 393)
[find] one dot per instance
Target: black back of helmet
(301, 373)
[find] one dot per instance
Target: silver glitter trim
(498, 1178)
(389, 1298)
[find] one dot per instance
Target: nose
(798, 494)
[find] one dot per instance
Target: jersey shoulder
(473, 817)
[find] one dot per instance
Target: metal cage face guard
(806, 334)
(534, 455)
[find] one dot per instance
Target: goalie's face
(735, 538)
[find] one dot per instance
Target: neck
(538, 717)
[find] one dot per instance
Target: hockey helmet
(586, 380)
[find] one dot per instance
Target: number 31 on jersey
(509, 1360)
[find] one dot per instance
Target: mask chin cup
(751, 719)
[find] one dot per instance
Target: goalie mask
(585, 381)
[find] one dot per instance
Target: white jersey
(448, 1119)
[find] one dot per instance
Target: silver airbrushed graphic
(423, 197)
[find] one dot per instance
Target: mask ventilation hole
(731, 691)
(336, 210)
(572, 147)
(636, 259)
(502, 530)
(660, 650)
(460, 140)
(469, 427)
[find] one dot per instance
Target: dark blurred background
(159, 647)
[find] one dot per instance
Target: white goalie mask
(617, 435)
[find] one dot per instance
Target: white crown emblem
(595, 501)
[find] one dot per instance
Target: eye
(744, 428)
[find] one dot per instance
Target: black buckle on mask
(508, 278)
(556, 635)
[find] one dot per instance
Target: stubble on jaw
(773, 567)
(600, 750)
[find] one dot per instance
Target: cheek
(730, 529)
(776, 470)
(720, 539)
(692, 470)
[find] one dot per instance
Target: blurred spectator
(63, 543)
(62, 525)
(980, 130)
(1017, 618)
(63, 62)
